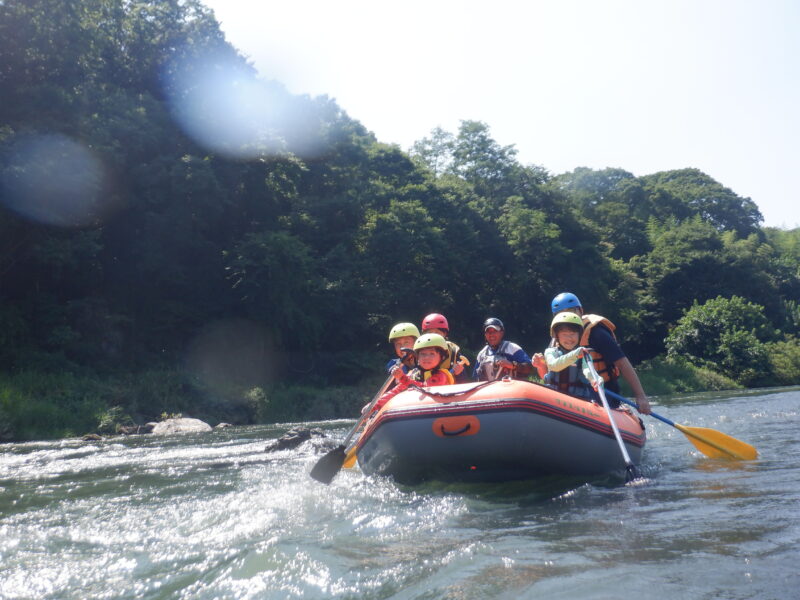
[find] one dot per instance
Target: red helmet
(435, 321)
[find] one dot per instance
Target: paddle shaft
(636, 406)
(331, 463)
(368, 411)
(631, 468)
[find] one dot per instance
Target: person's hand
(458, 368)
(505, 364)
(397, 372)
(538, 360)
(643, 405)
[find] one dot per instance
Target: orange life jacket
(607, 372)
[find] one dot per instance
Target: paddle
(710, 442)
(631, 472)
(329, 465)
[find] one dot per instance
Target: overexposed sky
(646, 86)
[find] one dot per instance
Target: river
(214, 516)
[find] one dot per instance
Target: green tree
(705, 197)
(728, 335)
(612, 202)
(275, 276)
(435, 152)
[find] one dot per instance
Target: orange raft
(500, 431)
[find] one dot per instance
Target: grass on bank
(41, 405)
(36, 405)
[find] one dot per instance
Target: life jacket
(486, 367)
(607, 372)
(452, 357)
(437, 376)
(423, 376)
(570, 380)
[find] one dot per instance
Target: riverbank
(40, 406)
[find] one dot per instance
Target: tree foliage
(728, 335)
(321, 236)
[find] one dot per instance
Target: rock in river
(181, 425)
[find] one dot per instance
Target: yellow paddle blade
(716, 444)
(350, 459)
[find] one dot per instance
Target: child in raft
(430, 350)
(455, 361)
(567, 368)
(402, 337)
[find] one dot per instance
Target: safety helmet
(568, 319)
(403, 330)
(431, 340)
(564, 301)
(435, 321)
(493, 322)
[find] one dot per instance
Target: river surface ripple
(214, 516)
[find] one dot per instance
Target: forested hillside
(146, 267)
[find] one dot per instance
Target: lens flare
(55, 180)
(221, 104)
(232, 352)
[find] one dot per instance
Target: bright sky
(645, 86)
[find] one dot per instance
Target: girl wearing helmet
(609, 359)
(430, 350)
(437, 323)
(402, 336)
(568, 371)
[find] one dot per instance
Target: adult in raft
(499, 357)
(609, 359)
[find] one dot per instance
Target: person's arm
(456, 366)
(559, 363)
(629, 373)
(522, 363)
(403, 381)
(510, 356)
(540, 364)
(476, 371)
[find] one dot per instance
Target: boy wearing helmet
(499, 357)
(403, 335)
(436, 323)
(430, 350)
(568, 370)
(609, 359)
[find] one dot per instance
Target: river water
(215, 516)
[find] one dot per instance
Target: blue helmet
(564, 301)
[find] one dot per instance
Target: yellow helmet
(431, 340)
(403, 330)
(565, 318)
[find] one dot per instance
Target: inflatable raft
(500, 431)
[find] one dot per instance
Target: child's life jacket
(568, 372)
(434, 377)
